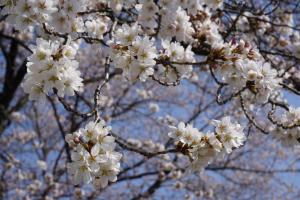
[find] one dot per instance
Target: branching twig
(249, 117)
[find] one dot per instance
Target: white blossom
(176, 54)
(289, 136)
(154, 107)
(93, 156)
(52, 65)
(96, 27)
(147, 15)
(176, 23)
(133, 54)
(42, 164)
(230, 135)
(203, 148)
(243, 67)
(28, 13)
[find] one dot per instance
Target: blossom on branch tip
(52, 66)
(93, 156)
(132, 53)
(229, 134)
(240, 65)
(203, 148)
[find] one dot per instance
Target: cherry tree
(149, 99)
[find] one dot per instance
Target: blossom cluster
(134, 54)
(203, 148)
(96, 27)
(174, 15)
(260, 26)
(158, 39)
(178, 63)
(148, 15)
(28, 13)
(59, 16)
(240, 65)
(176, 23)
(67, 20)
(93, 156)
(175, 19)
(289, 133)
(52, 65)
(207, 30)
